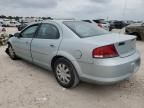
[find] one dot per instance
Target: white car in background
(5, 22)
(13, 24)
(102, 23)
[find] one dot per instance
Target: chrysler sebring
(76, 51)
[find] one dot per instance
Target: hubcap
(63, 73)
(11, 52)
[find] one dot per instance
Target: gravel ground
(11, 30)
(23, 85)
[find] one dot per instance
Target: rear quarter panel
(76, 50)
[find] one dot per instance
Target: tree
(17, 18)
(2, 16)
(10, 17)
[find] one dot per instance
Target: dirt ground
(23, 85)
(11, 30)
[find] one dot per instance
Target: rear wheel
(11, 53)
(65, 73)
(138, 37)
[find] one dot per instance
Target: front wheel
(11, 53)
(65, 73)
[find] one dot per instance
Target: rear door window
(48, 31)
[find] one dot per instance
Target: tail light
(100, 25)
(105, 52)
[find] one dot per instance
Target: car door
(22, 44)
(46, 43)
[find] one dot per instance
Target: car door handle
(52, 46)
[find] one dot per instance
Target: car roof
(47, 21)
(58, 21)
(135, 25)
(54, 21)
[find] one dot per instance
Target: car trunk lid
(124, 44)
(126, 48)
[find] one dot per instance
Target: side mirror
(10, 35)
(18, 35)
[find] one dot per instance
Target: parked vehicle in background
(117, 25)
(101, 23)
(136, 29)
(13, 24)
(77, 51)
(1, 26)
(1, 23)
(22, 26)
(129, 22)
(5, 22)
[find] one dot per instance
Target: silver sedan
(76, 51)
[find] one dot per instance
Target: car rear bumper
(109, 71)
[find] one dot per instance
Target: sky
(82, 9)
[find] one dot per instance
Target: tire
(11, 53)
(110, 28)
(65, 73)
(137, 35)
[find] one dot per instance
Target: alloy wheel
(63, 73)
(11, 52)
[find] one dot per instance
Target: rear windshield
(85, 29)
(87, 21)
